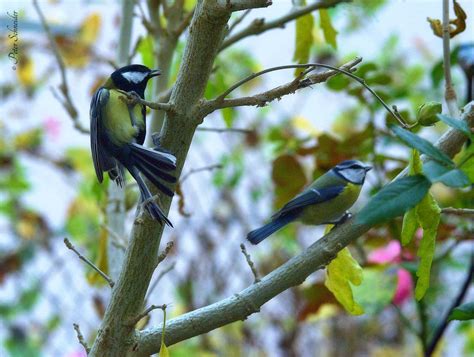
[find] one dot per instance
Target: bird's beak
(154, 73)
(368, 168)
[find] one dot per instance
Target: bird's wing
(99, 157)
(310, 197)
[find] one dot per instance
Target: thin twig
(133, 321)
(250, 263)
(450, 93)
(165, 252)
(395, 114)
(134, 98)
(238, 20)
(200, 169)
(121, 242)
(458, 211)
(81, 339)
(405, 320)
(66, 101)
(88, 262)
(227, 130)
(158, 278)
(185, 23)
(259, 26)
(459, 298)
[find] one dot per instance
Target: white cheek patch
(134, 77)
(353, 175)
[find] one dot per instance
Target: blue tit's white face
(353, 171)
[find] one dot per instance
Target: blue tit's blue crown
(353, 171)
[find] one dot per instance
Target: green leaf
(428, 213)
(450, 177)
(456, 124)
(145, 49)
(338, 83)
(409, 226)
(377, 289)
(329, 31)
(303, 40)
(343, 272)
(421, 145)
(394, 199)
(462, 312)
(427, 113)
(378, 78)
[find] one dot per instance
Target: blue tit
(118, 129)
(325, 201)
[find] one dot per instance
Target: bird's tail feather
(257, 235)
(153, 164)
(147, 199)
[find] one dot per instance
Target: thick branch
(238, 5)
(259, 26)
(206, 31)
(292, 273)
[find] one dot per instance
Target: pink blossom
(52, 127)
(392, 253)
(404, 287)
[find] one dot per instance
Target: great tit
(325, 201)
(118, 129)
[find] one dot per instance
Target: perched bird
(325, 201)
(118, 128)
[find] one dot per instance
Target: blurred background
(232, 181)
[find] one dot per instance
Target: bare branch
(259, 26)
(250, 263)
(134, 98)
(450, 93)
(158, 278)
(238, 21)
(133, 321)
(458, 211)
(88, 262)
(200, 169)
(165, 252)
(66, 101)
(238, 5)
(298, 83)
(185, 23)
(80, 338)
(227, 130)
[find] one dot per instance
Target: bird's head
(133, 78)
(353, 171)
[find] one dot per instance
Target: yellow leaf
(305, 125)
(101, 262)
(89, 29)
(26, 71)
(410, 219)
(428, 213)
(343, 271)
(164, 350)
(329, 31)
(303, 40)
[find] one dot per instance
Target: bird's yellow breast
(123, 123)
(333, 209)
